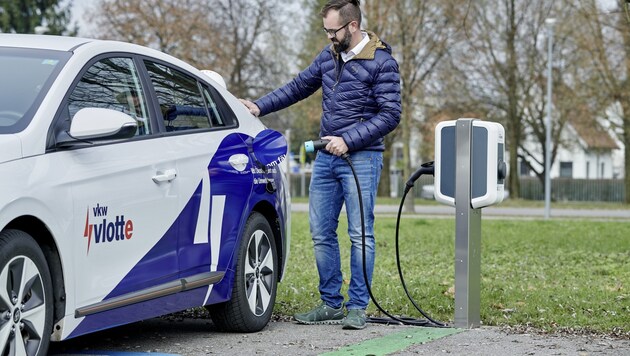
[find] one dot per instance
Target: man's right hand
(253, 108)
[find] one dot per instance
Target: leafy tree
(24, 16)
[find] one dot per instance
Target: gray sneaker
(355, 319)
(323, 314)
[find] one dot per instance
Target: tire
(255, 281)
(26, 304)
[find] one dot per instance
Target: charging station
(470, 171)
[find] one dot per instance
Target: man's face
(342, 38)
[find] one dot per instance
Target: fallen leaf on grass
(450, 292)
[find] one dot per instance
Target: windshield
(26, 77)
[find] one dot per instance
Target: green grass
(551, 275)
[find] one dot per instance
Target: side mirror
(270, 147)
(98, 124)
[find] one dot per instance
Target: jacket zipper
(334, 87)
(338, 74)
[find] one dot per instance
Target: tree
(24, 16)
(232, 37)
(575, 99)
(421, 34)
(492, 56)
(251, 44)
(606, 41)
(304, 117)
(501, 69)
(501, 72)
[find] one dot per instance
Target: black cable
(393, 319)
(400, 274)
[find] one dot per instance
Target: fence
(299, 183)
(567, 189)
(562, 189)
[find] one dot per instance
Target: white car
(133, 185)
(428, 192)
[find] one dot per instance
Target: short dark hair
(349, 10)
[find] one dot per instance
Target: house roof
(586, 127)
(593, 134)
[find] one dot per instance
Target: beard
(344, 44)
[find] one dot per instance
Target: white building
(587, 151)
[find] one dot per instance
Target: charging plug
(425, 168)
(315, 145)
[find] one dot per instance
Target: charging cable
(426, 168)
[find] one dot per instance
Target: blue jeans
(332, 184)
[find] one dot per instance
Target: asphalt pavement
(192, 337)
(497, 211)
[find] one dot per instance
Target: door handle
(166, 176)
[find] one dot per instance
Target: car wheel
(26, 307)
(255, 281)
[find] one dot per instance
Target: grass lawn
(552, 275)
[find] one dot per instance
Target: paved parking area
(188, 337)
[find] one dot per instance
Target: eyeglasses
(333, 33)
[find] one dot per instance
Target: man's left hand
(336, 146)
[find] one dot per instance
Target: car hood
(10, 148)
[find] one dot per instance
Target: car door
(200, 125)
(125, 204)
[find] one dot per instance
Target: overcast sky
(79, 8)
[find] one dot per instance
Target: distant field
(550, 275)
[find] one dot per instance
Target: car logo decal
(104, 229)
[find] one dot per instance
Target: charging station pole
(467, 233)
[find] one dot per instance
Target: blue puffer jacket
(361, 98)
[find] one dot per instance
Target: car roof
(59, 43)
(88, 45)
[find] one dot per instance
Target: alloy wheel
(22, 307)
(259, 268)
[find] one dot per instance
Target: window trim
(222, 105)
(159, 129)
(57, 124)
(224, 108)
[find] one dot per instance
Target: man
(361, 104)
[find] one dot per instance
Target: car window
(112, 83)
(220, 114)
(181, 102)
